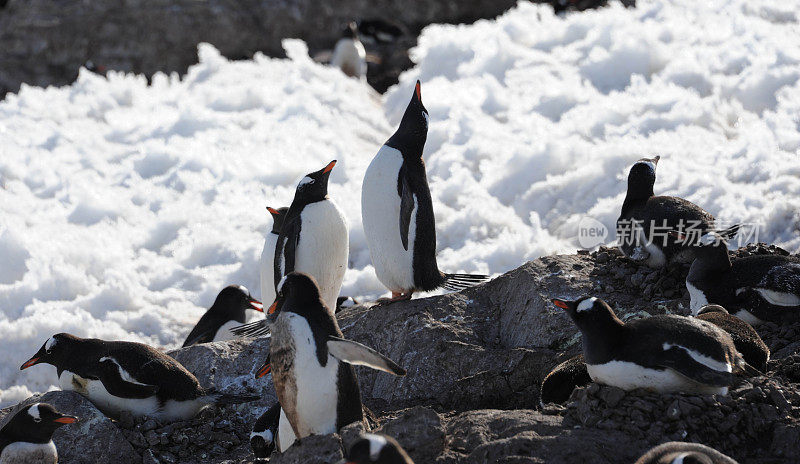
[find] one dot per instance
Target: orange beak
(273, 307)
(29, 363)
(418, 91)
(272, 210)
(255, 304)
(560, 303)
(677, 235)
(264, 370)
(329, 166)
(66, 420)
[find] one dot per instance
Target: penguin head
(712, 308)
(642, 177)
(55, 351)
(36, 423)
(298, 289)
(351, 31)
(314, 186)
(410, 137)
(278, 215)
(588, 312)
(691, 457)
(377, 449)
(233, 300)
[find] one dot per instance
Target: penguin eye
(37, 419)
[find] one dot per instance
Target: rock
(419, 431)
(314, 449)
(93, 439)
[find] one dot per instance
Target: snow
(126, 206)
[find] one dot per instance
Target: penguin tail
(456, 282)
(221, 399)
(252, 329)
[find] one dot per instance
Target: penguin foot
(396, 296)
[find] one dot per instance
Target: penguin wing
(265, 432)
(679, 359)
(286, 249)
(119, 383)
(198, 335)
(357, 354)
(406, 205)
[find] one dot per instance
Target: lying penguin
(228, 311)
(311, 364)
(664, 353)
(128, 376)
(27, 438)
(678, 452)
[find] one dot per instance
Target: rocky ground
(475, 361)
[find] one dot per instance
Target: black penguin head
(55, 351)
(300, 291)
(377, 449)
(351, 31)
(234, 300)
(712, 308)
(36, 423)
(413, 131)
(589, 313)
(314, 186)
(278, 215)
(690, 457)
(642, 177)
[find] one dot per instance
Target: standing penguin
(645, 220)
(313, 239)
(349, 54)
(397, 212)
(268, 254)
(228, 311)
(377, 449)
(128, 376)
(28, 437)
(311, 363)
(754, 288)
(662, 353)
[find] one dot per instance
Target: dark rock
(314, 449)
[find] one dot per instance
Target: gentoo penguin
(268, 255)
(311, 363)
(377, 449)
(349, 54)
(747, 341)
(265, 431)
(678, 452)
(645, 220)
(379, 31)
(345, 302)
(228, 311)
(754, 288)
(662, 353)
(557, 386)
(397, 212)
(314, 240)
(128, 376)
(28, 437)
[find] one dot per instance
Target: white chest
(316, 402)
(380, 213)
(697, 299)
(29, 453)
(323, 248)
(285, 433)
(350, 56)
(630, 376)
(224, 331)
(267, 270)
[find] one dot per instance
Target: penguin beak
(676, 235)
(418, 91)
(34, 360)
(66, 420)
(264, 370)
(273, 211)
(329, 167)
(273, 307)
(563, 304)
(255, 304)
(655, 160)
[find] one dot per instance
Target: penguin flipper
(406, 206)
(678, 359)
(252, 329)
(113, 376)
(286, 249)
(360, 355)
(200, 337)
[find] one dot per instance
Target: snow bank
(127, 207)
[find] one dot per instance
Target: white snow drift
(127, 207)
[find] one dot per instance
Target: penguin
(268, 254)
(397, 212)
(311, 363)
(313, 239)
(228, 311)
(747, 341)
(127, 376)
(379, 31)
(645, 220)
(27, 438)
(345, 302)
(349, 54)
(664, 353)
(755, 288)
(377, 449)
(557, 386)
(679, 452)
